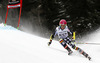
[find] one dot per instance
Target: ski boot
(70, 52)
(89, 57)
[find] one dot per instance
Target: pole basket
(13, 4)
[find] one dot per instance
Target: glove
(73, 39)
(49, 43)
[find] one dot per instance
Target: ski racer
(62, 31)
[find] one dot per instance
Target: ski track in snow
(20, 47)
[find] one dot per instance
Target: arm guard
(52, 36)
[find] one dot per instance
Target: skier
(62, 32)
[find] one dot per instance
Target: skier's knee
(61, 41)
(76, 48)
(73, 46)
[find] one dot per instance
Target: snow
(20, 47)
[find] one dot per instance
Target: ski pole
(84, 43)
(90, 43)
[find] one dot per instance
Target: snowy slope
(20, 47)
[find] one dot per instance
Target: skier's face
(62, 27)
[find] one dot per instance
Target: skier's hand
(49, 43)
(73, 40)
